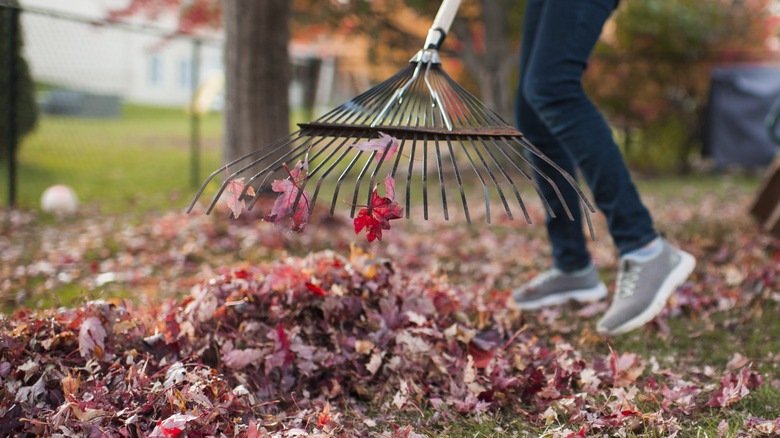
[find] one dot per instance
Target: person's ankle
(646, 252)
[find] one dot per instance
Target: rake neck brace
(426, 56)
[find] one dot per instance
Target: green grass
(140, 160)
(137, 162)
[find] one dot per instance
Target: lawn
(140, 160)
(205, 323)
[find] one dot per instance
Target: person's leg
(565, 33)
(566, 236)
(572, 275)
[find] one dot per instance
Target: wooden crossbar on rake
(441, 128)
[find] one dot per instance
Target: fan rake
(447, 141)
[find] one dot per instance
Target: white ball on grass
(59, 200)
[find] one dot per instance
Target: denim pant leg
(556, 115)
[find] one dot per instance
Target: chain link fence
(103, 107)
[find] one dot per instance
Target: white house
(67, 46)
(66, 50)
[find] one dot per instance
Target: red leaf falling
(376, 216)
(233, 197)
(288, 190)
(380, 144)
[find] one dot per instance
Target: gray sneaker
(554, 286)
(643, 286)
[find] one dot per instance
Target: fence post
(195, 116)
(12, 137)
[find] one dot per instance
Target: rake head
(448, 141)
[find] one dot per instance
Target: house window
(155, 74)
(184, 74)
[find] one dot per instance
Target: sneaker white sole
(675, 278)
(581, 295)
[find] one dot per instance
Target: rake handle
(442, 23)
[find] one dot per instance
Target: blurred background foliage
(649, 73)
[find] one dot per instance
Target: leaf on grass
(735, 386)
(92, 336)
(376, 216)
(235, 201)
(288, 190)
(380, 144)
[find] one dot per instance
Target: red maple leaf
(289, 189)
(380, 144)
(233, 197)
(376, 216)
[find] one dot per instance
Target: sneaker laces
(628, 276)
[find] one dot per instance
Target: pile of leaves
(400, 338)
(303, 346)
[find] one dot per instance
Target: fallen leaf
(384, 142)
(91, 337)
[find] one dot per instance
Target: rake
(447, 141)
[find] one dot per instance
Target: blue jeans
(556, 115)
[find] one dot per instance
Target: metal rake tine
(489, 117)
(235, 174)
(409, 176)
(507, 176)
(432, 105)
(437, 102)
(374, 99)
(230, 178)
(359, 180)
(528, 145)
(460, 182)
(546, 178)
(493, 178)
(330, 169)
(583, 199)
(395, 97)
(305, 181)
(525, 174)
(376, 169)
(441, 181)
(405, 105)
(341, 178)
(481, 180)
(398, 154)
(383, 95)
(565, 175)
(425, 178)
(457, 103)
(324, 162)
(277, 165)
(346, 110)
(453, 104)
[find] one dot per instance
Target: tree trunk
(491, 63)
(257, 74)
